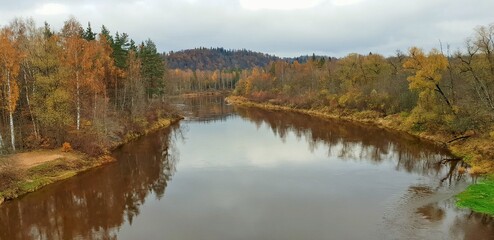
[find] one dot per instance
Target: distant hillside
(217, 58)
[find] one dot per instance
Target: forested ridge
(213, 69)
(77, 86)
(217, 59)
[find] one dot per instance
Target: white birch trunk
(78, 101)
(11, 118)
(1, 143)
(12, 139)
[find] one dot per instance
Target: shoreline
(41, 175)
(378, 122)
(471, 149)
(203, 94)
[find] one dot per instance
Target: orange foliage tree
(10, 60)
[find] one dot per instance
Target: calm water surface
(239, 173)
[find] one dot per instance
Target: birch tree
(10, 60)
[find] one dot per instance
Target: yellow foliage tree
(428, 70)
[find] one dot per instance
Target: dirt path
(30, 159)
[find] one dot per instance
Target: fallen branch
(443, 161)
(459, 138)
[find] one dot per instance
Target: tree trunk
(78, 101)
(94, 108)
(445, 98)
(35, 129)
(10, 108)
(116, 94)
(124, 96)
(1, 143)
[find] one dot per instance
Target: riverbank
(473, 148)
(205, 93)
(26, 172)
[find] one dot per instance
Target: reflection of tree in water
(432, 212)
(352, 141)
(205, 108)
(95, 204)
(474, 226)
(365, 143)
(465, 225)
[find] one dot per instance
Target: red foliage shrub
(66, 147)
(86, 142)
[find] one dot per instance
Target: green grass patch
(478, 197)
(32, 185)
(46, 173)
(53, 168)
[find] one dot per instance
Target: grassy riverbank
(475, 149)
(478, 197)
(22, 173)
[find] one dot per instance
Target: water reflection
(236, 182)
(473, 226)
(95, 204)
(350, 141)
(456, 224)
(432, 212)
(428, 200)
(204, 109)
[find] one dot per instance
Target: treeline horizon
(75, 85)
(219, 58)
(435, 91)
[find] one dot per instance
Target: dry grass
(44, 168)
(30, 159)
(10, 172)
(16, 169)
(22, 173)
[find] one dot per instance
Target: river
(230, 172)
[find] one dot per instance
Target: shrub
(89, 143)
(66, 147)
(9, 174)
(476, 170)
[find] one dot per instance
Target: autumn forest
(397, 145)
(75, 86)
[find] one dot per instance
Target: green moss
(32, 185)
(478, 197)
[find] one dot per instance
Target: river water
(239, 173)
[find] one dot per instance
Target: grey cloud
(367, 26)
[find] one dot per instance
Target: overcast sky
(281, 27)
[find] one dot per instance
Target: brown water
(239, 173)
